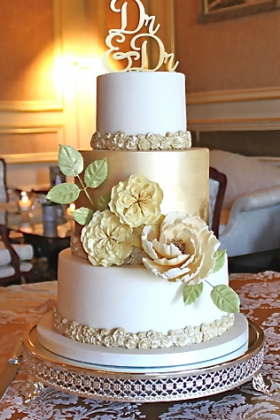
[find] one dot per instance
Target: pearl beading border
(118, 337)
(180, 140)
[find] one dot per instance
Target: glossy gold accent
(145, 22)
(181, 140)
(182, 175)
(33, 388)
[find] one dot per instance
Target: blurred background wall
(232, 79)
(50, 56)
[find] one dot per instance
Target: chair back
(9, 259)
(3, 184)
(217, 188)
(56, 176)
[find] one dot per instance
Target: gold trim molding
(30, 158)
(31, 106)
(260, 124)
(244, 109)
(34, 157)
(242, 95)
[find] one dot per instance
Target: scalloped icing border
(118, 337)
(180, 140)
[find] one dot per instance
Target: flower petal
(171, 274)
(136, 201)
(181, 249)
(106, 240)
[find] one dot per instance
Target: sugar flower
(136, 201)
(106, 240)
(181, 249)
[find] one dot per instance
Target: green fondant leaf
(70, 161)
(103, 201)
(96, 173)
(191, 293)
(83, 216)
(220, 257)
(225, 298)
(64, 193)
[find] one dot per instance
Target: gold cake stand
(85, 380)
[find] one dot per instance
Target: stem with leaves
(71, 164)
(84, 189)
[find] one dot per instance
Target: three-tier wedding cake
(144, 283)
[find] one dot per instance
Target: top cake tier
(141, 102)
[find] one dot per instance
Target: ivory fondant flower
(144, 143)
(131, 143)
(120, 139)
(155, 141)
(136, 201)
(182, 249)
(106, 240)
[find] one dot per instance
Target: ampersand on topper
(139, 50)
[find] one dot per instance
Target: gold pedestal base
(47, 369)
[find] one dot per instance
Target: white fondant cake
(144, 285)
(131, 298)
(229, 346)
(126, 305)
(141, 103)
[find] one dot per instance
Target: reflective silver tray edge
(48, 369)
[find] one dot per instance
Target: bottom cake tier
(230, 345)
(140, 384)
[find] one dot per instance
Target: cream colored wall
(48, 66)
(35, 105)
(49, 59)
(232, 69)
(234, 54)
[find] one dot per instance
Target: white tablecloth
(260, 298)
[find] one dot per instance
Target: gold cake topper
(137, 52)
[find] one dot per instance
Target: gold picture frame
(215, 10)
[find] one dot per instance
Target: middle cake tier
(182, 175)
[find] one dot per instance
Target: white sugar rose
(131, 143)
(106, 240)
(136, 201)
(144, 143)
(182, 249)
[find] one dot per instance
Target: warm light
(69, 69)
(24, 202)
(70, 210)
(28, 228)
(77, 78)
(72, 207)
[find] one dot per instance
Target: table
(259, 294)
(47, 239)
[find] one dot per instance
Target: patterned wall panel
(30, 144)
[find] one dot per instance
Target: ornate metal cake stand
(84, 380)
